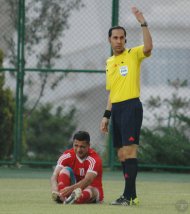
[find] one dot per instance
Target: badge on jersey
(123, 70)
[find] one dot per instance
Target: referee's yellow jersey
(123, 74)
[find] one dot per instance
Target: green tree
(6, 117)
(47, 25)
(49, 132)
(168, 141)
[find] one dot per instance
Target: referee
(124, 106)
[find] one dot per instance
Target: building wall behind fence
(77, 77)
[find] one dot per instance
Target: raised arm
(146, 33)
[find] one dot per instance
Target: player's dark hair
(82, 136)
(116, 28)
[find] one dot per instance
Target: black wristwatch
(145, 24)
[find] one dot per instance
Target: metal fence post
(115, 17)
(115, 12)
(20, 81)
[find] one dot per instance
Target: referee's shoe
(134, 202)
(124, 202)
(121, 201)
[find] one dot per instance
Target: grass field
(27, 191)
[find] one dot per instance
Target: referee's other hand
(104, 125)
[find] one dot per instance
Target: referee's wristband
(107, 114)
(144, 24)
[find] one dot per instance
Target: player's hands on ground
(104, 125)
(138, 14)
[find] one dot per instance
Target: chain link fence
(54, 62)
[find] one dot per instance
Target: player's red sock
(84, 198)
(63, 181)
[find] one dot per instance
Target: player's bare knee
(121, 154)
(130, 151)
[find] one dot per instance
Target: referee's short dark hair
(82, 136)
(116, 28)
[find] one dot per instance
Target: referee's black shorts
(126, 122)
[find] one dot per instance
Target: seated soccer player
(77, 177)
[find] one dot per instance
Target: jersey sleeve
(64, 159)
(95, 165)
(139, 51)
(107, 79)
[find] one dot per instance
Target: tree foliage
(49, 132)
(46, 23)
(7, 105)
(168, 141)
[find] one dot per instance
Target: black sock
(133, 193)
(123, 167)
(130, 178)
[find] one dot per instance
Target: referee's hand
(104, 125)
